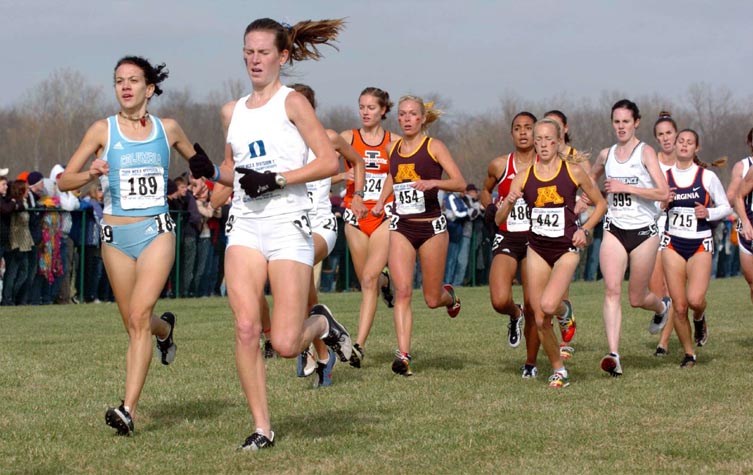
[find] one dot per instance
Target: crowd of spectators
(48, 237)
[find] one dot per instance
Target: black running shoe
(269, 351)
(258, 441)
(660, 351)
(387, 296)
(701, 331)
(119, 419)
(514, 329)
(688, 362)
(167, 347)
(356, 356)
(337, 337)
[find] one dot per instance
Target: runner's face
(131, 89)
(624, 125)
(686, 146)
(263, 60)
(370, 110)
(410, 118)
(558, 119)
(547, 141)
(522, 133)
(666, 136)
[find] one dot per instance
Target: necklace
(141, 120)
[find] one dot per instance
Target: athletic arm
(594, 196)
(746, 186)
(721, 207)
(358, 167)
(93, 142)
(734, 183)
(300, 113)
(492, 174)
(505, 205)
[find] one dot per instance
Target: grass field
(466, 410)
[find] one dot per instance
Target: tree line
(45, 126)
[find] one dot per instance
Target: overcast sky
(471, 52)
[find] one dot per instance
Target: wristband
(216, 174)
(358, 193)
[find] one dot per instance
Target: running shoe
(119, 419)
(558, 380)
(611, 364)
(306, 363)
(454, 308)
(566, 351)
(387, 296)
(688, 361)
(660, 351)
(269, 351)
(514, 329)
(567, 322)
(660, 319)
(356, 356)
(324, 370)
(167, 347)
(701, 331)
(258, 441)
(401, 364)
(337, 336)
(529, 371)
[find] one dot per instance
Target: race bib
(393, 222)
(373, 186)
(682, 222)
(349, 217)
(549, 222)
(408, 200)
(517, 220)
(303, 224)
(142, 188)
(621, 204)
(439, 225)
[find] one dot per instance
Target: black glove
(255, 183)
(489, 213)
(201, 166)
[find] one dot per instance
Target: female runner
(269, 133)
(665, 132)
(741, 191)
(132, 150)
(634, 184)
(368, 236)
(418, 226)
(549, 188)
(697, 197)
(511, 239)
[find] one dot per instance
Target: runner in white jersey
(324, 226)
(132, 151)
(740, 192)
(665, 132)
(269, 133)
(634, 183)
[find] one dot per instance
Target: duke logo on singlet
(548, 194)
(406, 172)
(256, 149)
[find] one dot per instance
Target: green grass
(466, 410)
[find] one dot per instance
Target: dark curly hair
(154, 75)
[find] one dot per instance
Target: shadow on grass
(331, 423)
(170, 414)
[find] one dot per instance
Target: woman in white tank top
(634, 183)
(269, 133)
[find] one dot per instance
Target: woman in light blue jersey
(132, 156)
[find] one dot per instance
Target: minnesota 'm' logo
(406, 172)
(548, 194)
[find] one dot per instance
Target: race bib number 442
(549, 222)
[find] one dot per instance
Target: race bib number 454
(408, 200)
